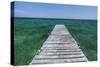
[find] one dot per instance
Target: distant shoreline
(52, 18)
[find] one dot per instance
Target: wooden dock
(60, 47)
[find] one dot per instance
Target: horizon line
(53, 18)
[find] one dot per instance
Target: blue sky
(45, 10)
